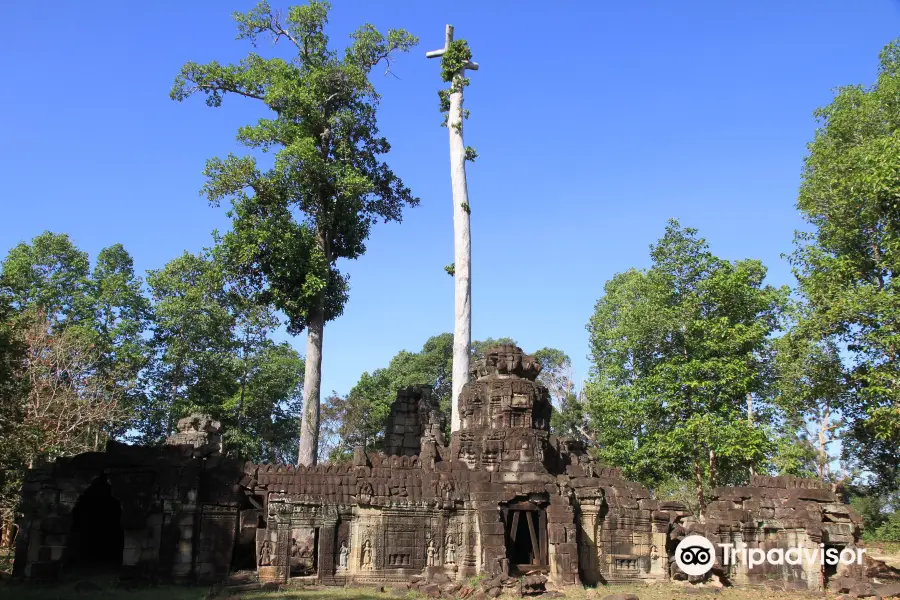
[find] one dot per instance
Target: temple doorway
(97, 538)
(526, 536)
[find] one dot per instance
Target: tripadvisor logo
(695, 555)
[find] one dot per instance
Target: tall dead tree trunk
(462, 244)
(462, 241)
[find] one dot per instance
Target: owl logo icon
(695, 555)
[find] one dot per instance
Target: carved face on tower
(491, 453)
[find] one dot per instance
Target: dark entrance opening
(97, 537)
(829, 571)
(526, 536)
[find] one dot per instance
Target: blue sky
(594, 121)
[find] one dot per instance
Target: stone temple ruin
(504, 497)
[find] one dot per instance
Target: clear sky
(594, 122)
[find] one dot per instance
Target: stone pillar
(281, 558)
(563, 547)
(588, 558)
(184, 523)
(216, 542)
(326, 550)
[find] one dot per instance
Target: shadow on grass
(103, 586)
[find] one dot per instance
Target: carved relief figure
(295, 549)
(366, 560)
(365, 492)
(265, 554)
(431, 553)
(450, 551)
(343, 555)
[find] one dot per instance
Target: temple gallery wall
(503, 496)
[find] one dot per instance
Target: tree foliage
(327, 185)
(260, 418)
(846, 264)
(47, 275)
(12, 409)
(676, 348)
(192, 341)
(810, 389)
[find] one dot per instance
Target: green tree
(810, 388)
(558, 376)
(846, 264)
(328, 185)
(118, 314)
(193, 343)
(363, 413)
(12, 411)
(49, 280)
(260, 419)
(676, 349)
(49, 275)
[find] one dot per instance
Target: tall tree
(846, 264)
(456, 58)
(676, 349)
(811, 389)
(558, 375)
(291, 222)
(118, 314)
(193, 341)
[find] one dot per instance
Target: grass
(108, 591)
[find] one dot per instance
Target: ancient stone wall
(176, 511)
(504, 497)
(775, 513)
(415, 416)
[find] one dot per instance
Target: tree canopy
(676, 349)
(293, 219)
(845, 264)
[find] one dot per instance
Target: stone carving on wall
(365, 493)
(449, 551)
(431, 552)
(265, 554)
(366, 555)
(343, 555)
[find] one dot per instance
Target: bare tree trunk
(823, 443)
(462, 246)
(750, 420)
(701, 498)
(312, 382)
(712, 469)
